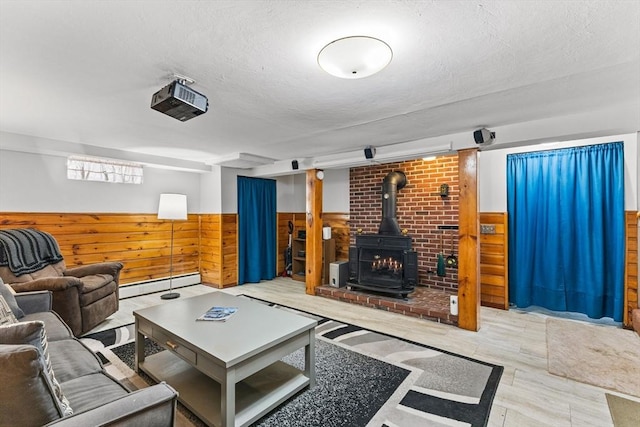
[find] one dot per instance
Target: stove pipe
(393, 182)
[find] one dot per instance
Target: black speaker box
(369, 152)
(483, 136)
(294, 164)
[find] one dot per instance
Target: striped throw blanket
(26, 250)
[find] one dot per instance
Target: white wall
(492, 170)
(210, 197)
(292, 192)
(229, 190)
(335, 191)
(285, 189)
(219, 191)
(38, 183)
(299, 201)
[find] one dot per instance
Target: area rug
(603, 356)
(364, 378)
(624, 412)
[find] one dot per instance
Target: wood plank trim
(313, 276)
(140, 241)
(468, 265)
(632, 229)
(494, 261)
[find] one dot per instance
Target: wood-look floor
(527, 396)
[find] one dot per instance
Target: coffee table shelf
(255, 396)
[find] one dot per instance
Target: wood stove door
(381, 267)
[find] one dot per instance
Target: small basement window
(96, 169)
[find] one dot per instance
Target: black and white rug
(364, 378)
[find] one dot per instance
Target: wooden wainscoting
(283, 218)
(338, 221)
(205, 243)
(140, 241)
(494, 261)
(219, 249)
(632, 223)
(340, 232)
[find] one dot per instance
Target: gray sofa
(27, 397)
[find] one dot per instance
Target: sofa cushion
(6, 291)
(71, 359)
(33, 333)
(23, 371)
(6, 315)
(53, 324)
(91, 391)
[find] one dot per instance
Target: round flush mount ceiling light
(354, 57)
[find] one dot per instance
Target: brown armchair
(83, 296)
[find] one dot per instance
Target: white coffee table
(227, 373)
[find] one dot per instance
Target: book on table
(219, 314)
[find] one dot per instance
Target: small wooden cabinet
(299, 252)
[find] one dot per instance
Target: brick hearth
(424, 303)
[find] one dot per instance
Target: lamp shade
(355, 57)
(172, 206)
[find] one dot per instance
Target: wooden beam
(468, 232)
(313, 274)
(632, 230)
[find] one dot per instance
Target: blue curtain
(566, 229)
(256, 229)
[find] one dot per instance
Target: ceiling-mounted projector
(180, 102)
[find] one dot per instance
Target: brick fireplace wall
(421, 210)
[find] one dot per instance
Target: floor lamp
(172, 207)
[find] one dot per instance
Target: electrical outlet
(487, 229)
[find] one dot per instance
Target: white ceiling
(83, 72)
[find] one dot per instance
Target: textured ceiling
(84, 71)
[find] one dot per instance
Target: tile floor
(527, 396)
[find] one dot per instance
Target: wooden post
(313, 265)
(468, 233)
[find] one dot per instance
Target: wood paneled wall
(338, 221)
(219, 249)
(631, 265)
(297, 218)
(207, 244)
(494, 262)
(140, 241)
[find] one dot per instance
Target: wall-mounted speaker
(369, 152)
(294, 165)
(483, 136)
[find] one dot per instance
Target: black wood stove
(385, 262)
